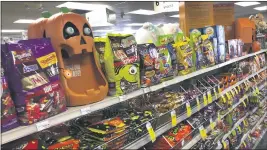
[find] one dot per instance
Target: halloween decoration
(37, 29)
(258, 19)
(80, 74)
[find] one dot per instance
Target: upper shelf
(74, 112)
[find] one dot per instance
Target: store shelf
(198, 137)
(146, 139)
(74, 112)
(259, 139)
(252, 130)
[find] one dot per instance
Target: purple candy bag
(34, 80)
(9, 117)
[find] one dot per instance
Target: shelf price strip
(151, 132)
(173, 118)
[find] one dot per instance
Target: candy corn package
(184, 54)
(149, 65)
(9, 117)
(207, 50)
(121, 64)
(32, 70)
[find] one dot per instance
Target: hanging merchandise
(184, 54)
(122, 64)
(8, 112)
(149, 65)
(80, 74)
(32, 70)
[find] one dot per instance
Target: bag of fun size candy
(9, 118)
(100, 44)
(168, 41)
(149, 64)
(121, 64)
(207, 50)
(195, 42)
(32, 70)
(184, 55)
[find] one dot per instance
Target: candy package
(195, 42)
(207, 50)
(232, 48)
(215, 50)
(184, 54)
(221, 53)
(149, 65)
(240, 45)
(100, 44)
(121, 64)
(9, 118)
(165, 63)
(168, 41)
(32, 68)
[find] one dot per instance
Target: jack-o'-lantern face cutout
(72, 39)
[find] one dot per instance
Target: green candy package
(121, 64)
(168, 41)
(207, 50)
(100, 44)
(184, 54)
(165, 63)
(195, 42)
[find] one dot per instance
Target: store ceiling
(12, 11)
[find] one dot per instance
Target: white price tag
(42, 125)
(123, 98)
(86, 110)
(147, 90)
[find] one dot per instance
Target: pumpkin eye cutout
(70, 30)
(133, 70)
(87, 30)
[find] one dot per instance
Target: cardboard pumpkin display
(81, 76)
(37, 28)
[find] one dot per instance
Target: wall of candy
(63, 88)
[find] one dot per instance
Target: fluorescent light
(12, 31)
(102, 30)
(261, 8)
(24, 21)
(81, 6)
(143, 12)
(245, 4)
(175, 16)
(134, 24)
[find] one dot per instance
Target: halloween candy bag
(207, 50)
(122, 64)
(149, 64)
(195, 42)
(8, 112)
(168, 41)
(34, 80)
(100, 43)
(184, 54)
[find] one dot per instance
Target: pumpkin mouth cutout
(83, 79)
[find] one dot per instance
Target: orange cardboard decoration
(245, 29)
(256, 46)
(36, 29)
(81, 76)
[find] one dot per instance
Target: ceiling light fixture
(245, 4)
(24, 21)
(175, 16)
(134, 24)
(12, 31)
(81, 6)
(261, 8)
(143, 12)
